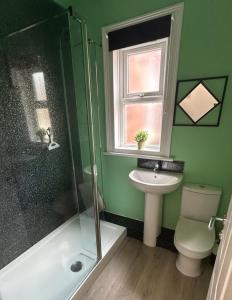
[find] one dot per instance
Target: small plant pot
(140, 145)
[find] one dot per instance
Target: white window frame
(112, 124)
(122, 58)
(121, 95)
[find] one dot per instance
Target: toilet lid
(194, 235)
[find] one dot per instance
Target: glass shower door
(47, 209)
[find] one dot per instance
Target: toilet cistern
(154, 185)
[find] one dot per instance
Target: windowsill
(136, 155)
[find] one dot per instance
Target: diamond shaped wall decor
(198, 103)
(200, 100)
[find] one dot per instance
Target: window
(39, 86)
(140, 66)
(41, 106)
(32, 91)
(139, 76)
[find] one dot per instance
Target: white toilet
(192, 238)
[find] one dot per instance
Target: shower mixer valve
(51, 144)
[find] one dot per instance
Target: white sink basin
(154, 185)
(158, 183)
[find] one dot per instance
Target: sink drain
(76, 267)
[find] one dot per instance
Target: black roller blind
(140, 33)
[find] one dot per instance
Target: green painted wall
(206, 49)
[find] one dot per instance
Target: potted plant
(140, 138)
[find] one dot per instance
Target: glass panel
(144, 71)
(143, 116)
(80, 140)
(95, 52)
(198, 102)
(85, 186)
(46, 198)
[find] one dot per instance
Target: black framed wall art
(199, 101)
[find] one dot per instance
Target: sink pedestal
(152, 218)
(154, 185)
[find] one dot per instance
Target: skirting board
(135, 230)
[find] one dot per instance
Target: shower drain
(76, 266)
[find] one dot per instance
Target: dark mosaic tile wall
(36, 188)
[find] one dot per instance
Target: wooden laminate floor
(138, 272)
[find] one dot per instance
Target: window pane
(43, 118)
(39, 86)
(144, 71)
(143, 116)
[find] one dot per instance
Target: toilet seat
(193, 239)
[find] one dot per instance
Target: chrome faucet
(157, 167)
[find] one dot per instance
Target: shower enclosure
(50, 195)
